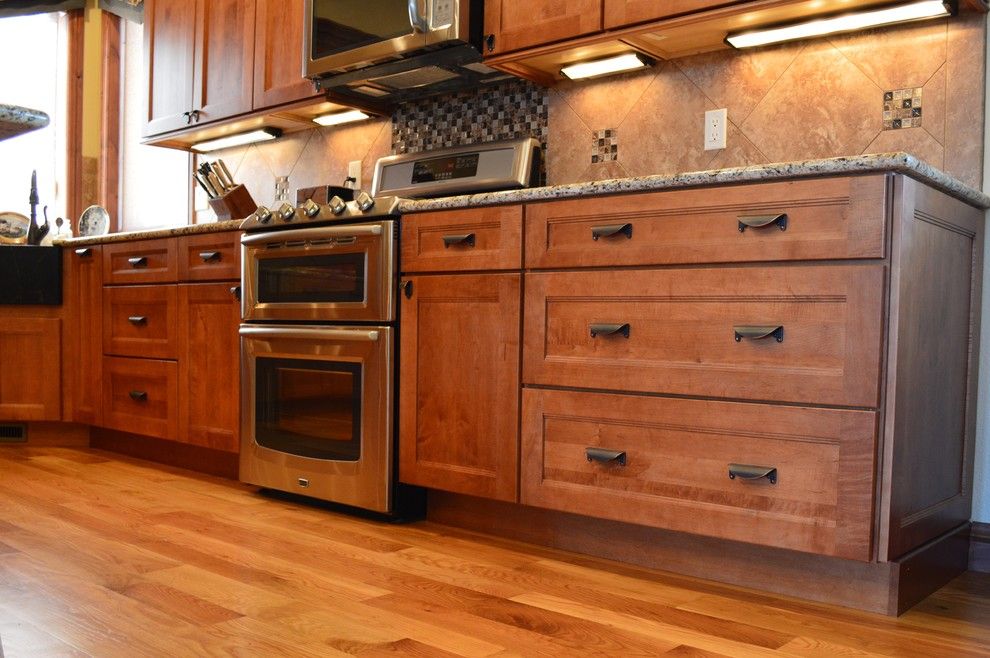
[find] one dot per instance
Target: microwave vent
(368, 90)
(416, 78)
(478, 67)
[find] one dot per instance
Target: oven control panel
(336, 210)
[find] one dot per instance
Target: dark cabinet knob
(139, 396)
(490, 43)
(207, 256)
(236, 292)
(138, 261)
(137, 319)
(84, 252)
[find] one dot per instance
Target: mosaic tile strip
(604, 145)
(902, 108)
(509, 110)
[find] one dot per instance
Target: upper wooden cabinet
(619, 13)
(515, 24)
(212, 60)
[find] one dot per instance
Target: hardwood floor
(106, 556)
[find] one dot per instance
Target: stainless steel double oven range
(318, 352)
(318, 342)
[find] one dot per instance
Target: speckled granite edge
(895, 162)
(191, 229)
(16, 120)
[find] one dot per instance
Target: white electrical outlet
(354, 171)
(715, 122)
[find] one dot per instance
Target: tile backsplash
(813, 99)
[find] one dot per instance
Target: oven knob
(263, 214)
(310, 208)
(337, 205)
(365, 201)
(287, 212)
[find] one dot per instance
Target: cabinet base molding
(55, 435)
(979, 547)
(886, 587)
(171, 453)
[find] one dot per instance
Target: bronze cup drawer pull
(603, 456)
(604, 329)
(207, 256)
(759, 332)
(466, 239)
(611, 230)
(138, 261)
(137, 319)
(139, 396)
(753, 473)
(761, 221)
(85, 251)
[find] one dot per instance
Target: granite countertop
(16, 120)
(895, 162)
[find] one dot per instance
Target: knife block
(236, 204)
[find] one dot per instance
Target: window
(34, 50)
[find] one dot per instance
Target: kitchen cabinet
(82, 342)
(515, 24)
(209, 363)
(459, 351)
(212, 60)
(169, 341)
(30, 366)
(620, 13)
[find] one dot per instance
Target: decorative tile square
(902, 108)
(604, 145)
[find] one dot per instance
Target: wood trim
(109, 169)
(74, 116)
(979, 547)
(61, 435)
(183, 455)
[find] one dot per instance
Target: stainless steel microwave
(369, 52)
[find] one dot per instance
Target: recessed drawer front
(779, 334)
(140, 396)
(830, 218)
(802, 478)
(144, 261)
(458, 240)
(140, 321)
(210, 257)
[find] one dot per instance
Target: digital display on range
(449, 168)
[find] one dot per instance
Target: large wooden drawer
(210, 257)
(458, 240)
(141, 321)
(143, 261)
(678, 454)
(675, 331)
(829, 218)
(141, 396)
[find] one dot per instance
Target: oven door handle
(312, 234)
(363, 335)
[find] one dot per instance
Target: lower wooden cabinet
(209, 411)
(82, 342)
(459, 384)
(141, 396)
(30, 362)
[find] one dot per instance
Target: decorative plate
(13, 228)
(94, 221)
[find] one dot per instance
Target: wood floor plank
(107, 556)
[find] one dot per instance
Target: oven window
(340, 25)
(328, 278)
(309, 408)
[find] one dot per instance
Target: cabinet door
(209, 409)
(224, 64)
(517, 24)
(619, 13)
(278, 54)
(30, 363)
(459, 384)
(83, 341)
(169, 52)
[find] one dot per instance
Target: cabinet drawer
(140, 396)
(690, 332)
(145, 261)
(210, 257)
(140, 321)
(476, 239)
(677, 458)
(830, 218)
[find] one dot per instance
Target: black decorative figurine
(36, 233)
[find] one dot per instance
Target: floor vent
(13, 434)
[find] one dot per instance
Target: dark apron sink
(30, 275)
